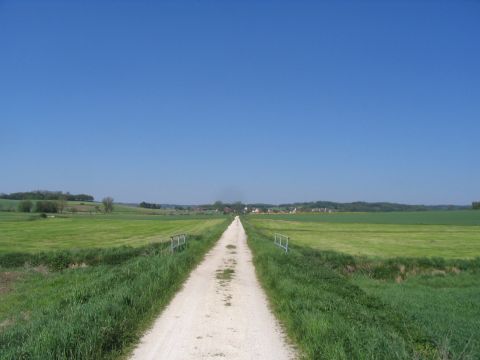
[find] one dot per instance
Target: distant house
(227, 210)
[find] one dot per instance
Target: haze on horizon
(190, 102)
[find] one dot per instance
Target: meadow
(374, 290)
(87, 286)
(384, 240)
(30, 233)
(458, 217)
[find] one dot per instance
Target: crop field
(81, 286)
(353, 289)
(30, 233)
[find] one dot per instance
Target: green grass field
(460, 217)
(383, 240)
(19, 234)
(374, 285)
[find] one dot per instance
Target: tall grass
(96, 312)
(327, 315)
(445, 305)
(63, 259)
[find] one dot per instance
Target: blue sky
(268, 101)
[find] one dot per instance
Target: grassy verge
(329, 316)
(97, 311)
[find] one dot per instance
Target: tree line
(476, 205)
(46, 195)
(362, 206)
(58, 206)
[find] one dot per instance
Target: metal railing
(281, 241)
(178, 242)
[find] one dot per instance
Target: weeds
(225, 274)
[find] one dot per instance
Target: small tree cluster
(476, 205)
(45, 206)
(147, 205)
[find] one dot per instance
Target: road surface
(220, 313)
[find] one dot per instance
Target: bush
(44, 206)
(25, 206)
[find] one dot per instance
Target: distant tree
(61, 203)
(218, 205)
(25, 206)
(476, 205)
(238, 206)
(107, 204)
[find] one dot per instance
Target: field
(87, 286)
(351, 288)
(384, 240)
(460, 217)
(21, 234)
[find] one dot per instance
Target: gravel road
(220, 313)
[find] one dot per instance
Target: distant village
(274, 210)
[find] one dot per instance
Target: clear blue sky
(268, 101)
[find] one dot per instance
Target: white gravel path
(217, 317)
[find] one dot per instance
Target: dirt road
(221, 312)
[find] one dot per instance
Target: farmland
(351, 288)
(384, 240)
(87, 286)
(460, 217)
(21, 233)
